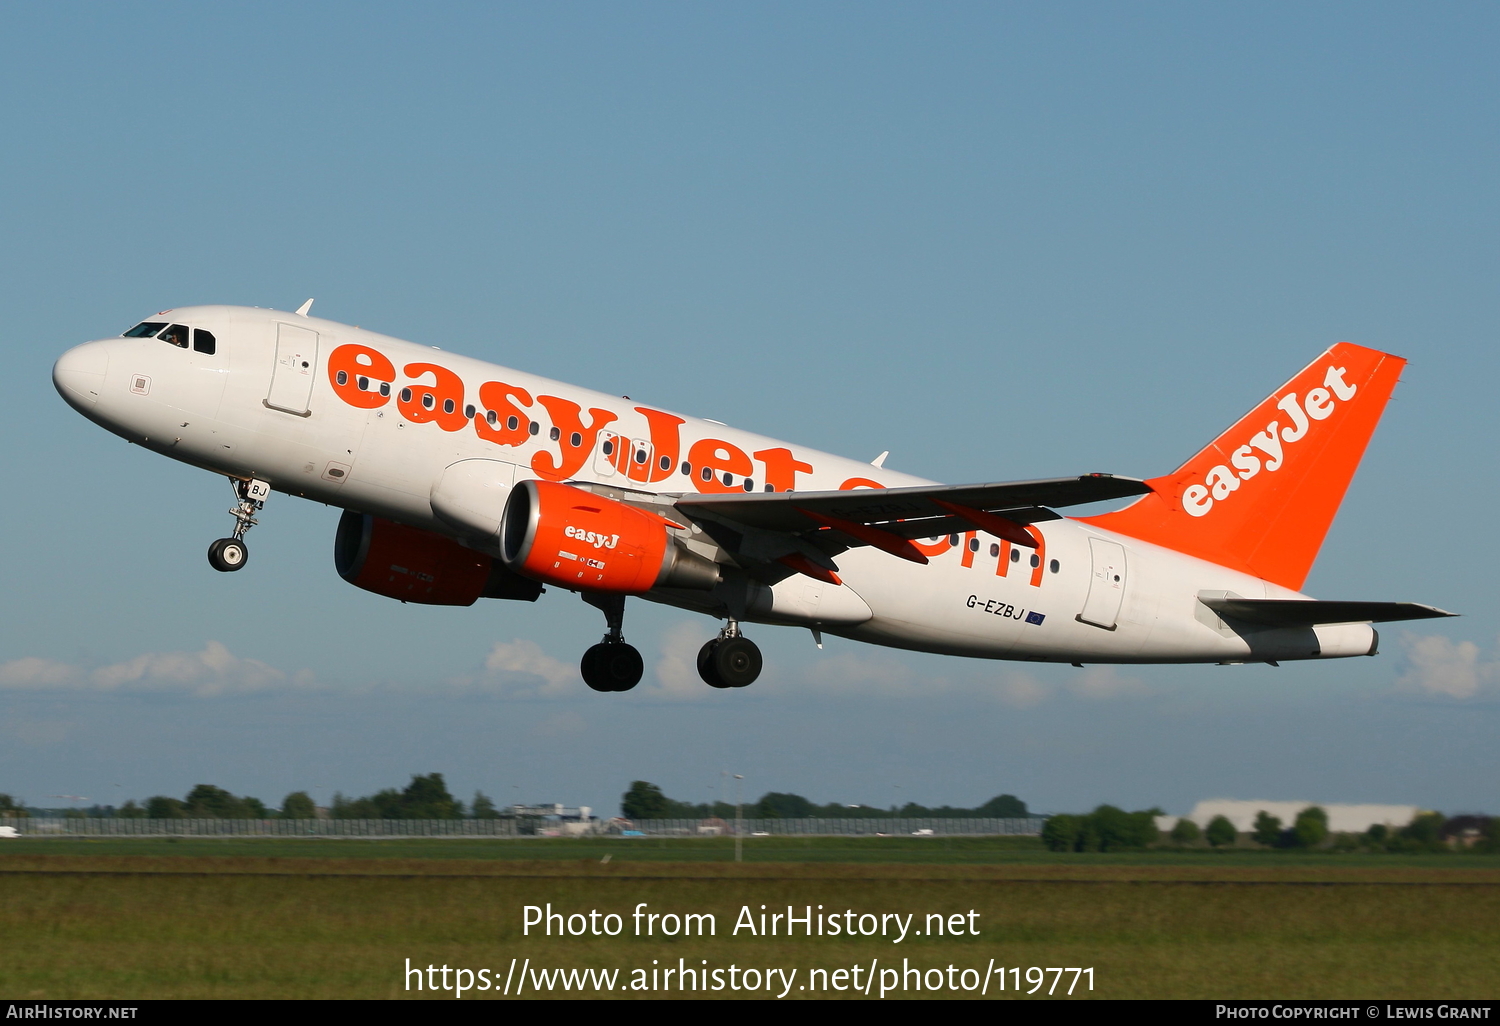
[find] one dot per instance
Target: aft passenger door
(1106, 584)
(296, 366)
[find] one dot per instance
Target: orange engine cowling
(414, 565)
(576, 539)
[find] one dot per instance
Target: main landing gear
(729, 661)
(229, 554)
(611, 665)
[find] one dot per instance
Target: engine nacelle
(576, 539)
(414, 565)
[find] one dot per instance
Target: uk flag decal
(1035, 617)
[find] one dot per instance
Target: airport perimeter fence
(813, 826)
(512, 827)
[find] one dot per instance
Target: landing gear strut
(229, 554)
(611, 665)
(729, 661)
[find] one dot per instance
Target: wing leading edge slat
(1021, 501)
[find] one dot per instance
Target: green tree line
(645, 800)
(426, 797)
(1108, 828)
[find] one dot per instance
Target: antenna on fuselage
(302, 310)
(878, 461)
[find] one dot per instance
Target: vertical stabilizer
(1260, 498)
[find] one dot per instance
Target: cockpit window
(145, 329)
(177, 334)
(204, 342)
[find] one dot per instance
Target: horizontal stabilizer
(1309, 613)
(783, 511)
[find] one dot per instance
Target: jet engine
(414, 565)
(576, 539)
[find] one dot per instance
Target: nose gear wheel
(229, 554)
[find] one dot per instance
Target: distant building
(552, 820)
(581, 813)
(1352, 819)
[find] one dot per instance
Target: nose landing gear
(729, 661)
(229, 554)
(611, 665)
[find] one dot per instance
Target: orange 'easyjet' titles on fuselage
(782, 468)
(666, 444)
(512, 424)
(587, 541)
(365, 378)
(440, 403)
(1039, 557)
(712, 458)
(357, 372)
(575, 438)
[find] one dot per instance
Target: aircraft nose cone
(78, 375)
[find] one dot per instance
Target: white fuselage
(252, 409)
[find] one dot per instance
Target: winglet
(302, 310)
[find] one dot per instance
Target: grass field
(284, 918)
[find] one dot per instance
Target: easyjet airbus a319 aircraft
(462, 480)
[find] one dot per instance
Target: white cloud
(521, 669)
(33, 673)
(869, 674)
(213, 671)
(1437, 665)
(1021, 690)
(677, 670)
(1107, 682)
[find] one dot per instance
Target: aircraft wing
(923, 511)
(778, 532)
(1310, 613)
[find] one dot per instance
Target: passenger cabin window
(145, 329)
(204, 342)
(177, 334)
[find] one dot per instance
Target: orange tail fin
(1260, 498)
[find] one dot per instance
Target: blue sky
(999, 240)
